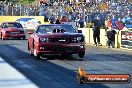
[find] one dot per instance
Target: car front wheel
(81, 55)
(30, 52)
(23, 38)
(37, 56)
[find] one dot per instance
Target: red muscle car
(11, 30)
(56, 39)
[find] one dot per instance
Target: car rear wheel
(81, 55)
(23, 38)
(37, 56)
(30, 52)
(0, 35)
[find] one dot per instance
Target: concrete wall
(88, 33)
(118, 39)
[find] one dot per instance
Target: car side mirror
(30, 32)
(79, 31)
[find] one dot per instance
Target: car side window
(18, 25)
(2, 26)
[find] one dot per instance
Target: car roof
(56, 25)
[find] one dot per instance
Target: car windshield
(55, 29)
(6, 25)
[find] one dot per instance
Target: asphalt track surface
(55, 71)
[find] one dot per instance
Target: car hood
(53, 35)
(12, 29)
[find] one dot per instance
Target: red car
(11, 30)
(56, 39)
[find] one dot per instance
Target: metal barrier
(88, 13)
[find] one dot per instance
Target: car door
(30, 41)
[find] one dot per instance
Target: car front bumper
(60, 48)
(14, 36)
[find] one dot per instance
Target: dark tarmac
(56, 71)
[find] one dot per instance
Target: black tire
(23, 38)
(0, 35)
(81, 55)
(3, 38)
(28, 46)
(30, 52)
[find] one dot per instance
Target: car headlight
(81, 39)
(74, 39)
(43, 39)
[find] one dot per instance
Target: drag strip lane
(58, 72)
(43, 73)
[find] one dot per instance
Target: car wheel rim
(35, 54)
(30, 51)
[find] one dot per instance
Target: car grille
(15, 32)
(63, 40)
(18, 32)
(56, 48)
